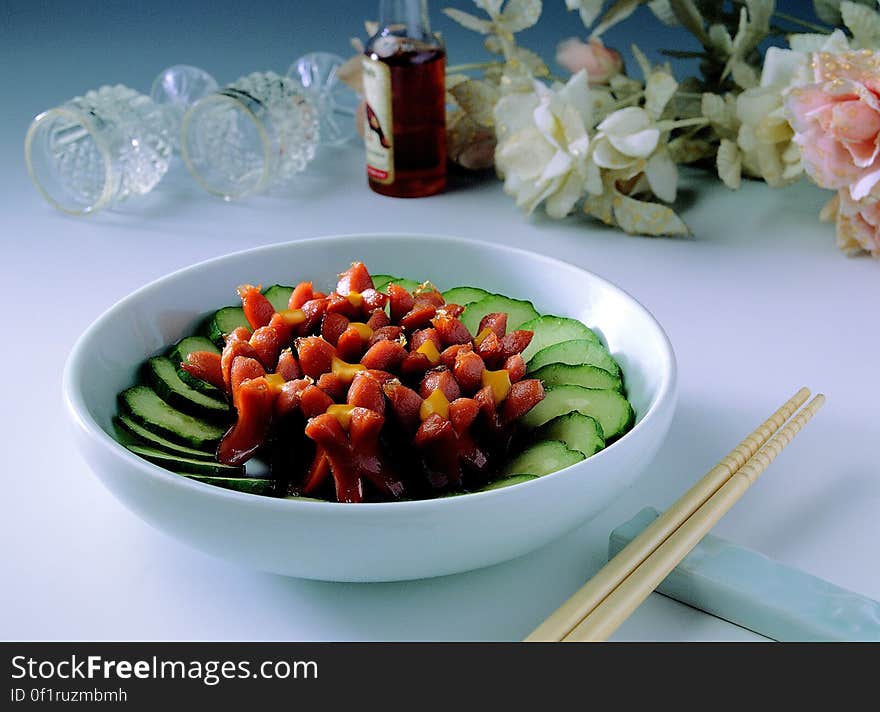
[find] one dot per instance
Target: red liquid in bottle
(418, 107)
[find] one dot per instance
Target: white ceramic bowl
(380, 541)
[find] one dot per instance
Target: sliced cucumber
(279, 296)
(302, 498)
(611, 409)
(224, 321)
(582, 374)
(410, 285)
(147, 409)
(137, 434)
(505, 482)
(549, 330)
(464, 295)
(518, 311)
(178, 354)
(575, 353)
(380, 280)
(163, 376)
(542, 458)
(184, 464)
(249, 485)
(578, 431)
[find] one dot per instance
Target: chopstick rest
(758, 593)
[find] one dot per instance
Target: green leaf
(471, 22)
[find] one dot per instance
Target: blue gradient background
(51, 51)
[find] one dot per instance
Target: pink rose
(600, 62)
(837, 121)
(857, 223)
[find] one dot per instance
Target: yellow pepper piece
(364, 331)
(345, 371)
(499, 381)
(430, 350)
(355, 298)
(275, 381)
(294, 317)
(481, 337)
(434, 403)
(342, 413)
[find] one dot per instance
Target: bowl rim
(82, 418)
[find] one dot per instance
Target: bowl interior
(108, 355)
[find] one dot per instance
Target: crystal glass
(178, 87)
(96, 150)
(255, 133)
(336, 102)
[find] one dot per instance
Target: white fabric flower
(628, 141)
(544, 146)
(624, 138)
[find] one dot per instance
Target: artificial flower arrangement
(609, 144)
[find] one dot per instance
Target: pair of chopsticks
(606, 600)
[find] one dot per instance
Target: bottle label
(378, 126)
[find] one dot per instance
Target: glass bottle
(404, 88)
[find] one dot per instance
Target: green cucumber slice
(163, 376)
(542, 458)
(279, 296)
(575, 353)
(611, 409)
(381, 280)
(184, 464)
(187, 345)
(147, 409)
(582, 374)
(178, 354)
(549, 330)
(135, 434)
(249, 485)
(578, 431)
(224, 321)
(505, 482)
(464, 295)
(410, 285)
(518, 311)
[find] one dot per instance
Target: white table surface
(758, 303)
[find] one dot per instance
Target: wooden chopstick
(573, 611)
(605, 618)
